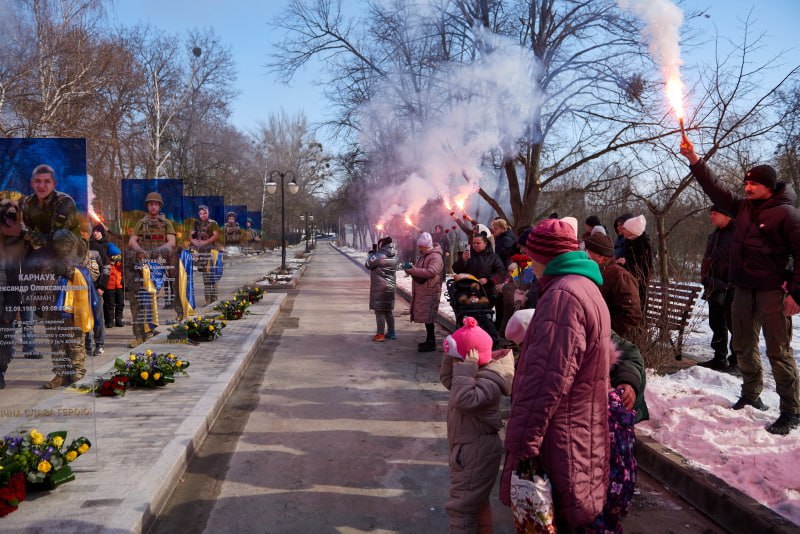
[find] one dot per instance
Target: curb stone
(724, 504)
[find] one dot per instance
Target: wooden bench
(669, 310)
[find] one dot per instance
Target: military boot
(2, 381)
(56, 382)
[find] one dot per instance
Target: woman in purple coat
(559, 409)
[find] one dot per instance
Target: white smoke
(662, 22)
(479, 107)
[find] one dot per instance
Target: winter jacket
(559, 410)
(505, 246)
(426, 289)
(443, 240)
(639, 262)
(484, 264)
(382, 279)
(715, 269)
(473, 423)
(629, 369)
(767, 232)
(101, 247)
(621, 293)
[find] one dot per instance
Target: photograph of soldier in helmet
(149, 266)
(204, 239)
(233, 232)
(51, 226)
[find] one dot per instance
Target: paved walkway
(347, 435)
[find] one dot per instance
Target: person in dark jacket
(98, 242)
(619, 289)
(766, 235)
(505, 243)
(382, 265)
(717, 289)
(638, 254)
(619, 244)
(442, 237)
(487, 267)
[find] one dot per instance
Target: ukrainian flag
(78, 298)
(186, 283)
(217, 266)
(152, 280)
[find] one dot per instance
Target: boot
(757, 404)
(56, 382)
(786, 423)
(426, 346)
(717, 363)
(2, 381)
(119, 322)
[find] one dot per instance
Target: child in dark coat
(477, 383)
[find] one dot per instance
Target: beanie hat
(721, 210)
(550, 238)
(573, 222)
(382, 242)
(635, 225)
(113, 250)
(599, 229)
(592, 221)
(425, 240)
(469, 336)
(600, 244)
(762, 174)
(517, 326)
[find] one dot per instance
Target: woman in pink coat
(559, 410)
(426, 289)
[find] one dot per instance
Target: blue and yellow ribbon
(186, 283)
(217, 266)
(78, 299)
(152, 280)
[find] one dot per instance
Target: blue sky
(246, 26)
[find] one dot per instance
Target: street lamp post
(271, 186)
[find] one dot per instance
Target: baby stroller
(468, 298)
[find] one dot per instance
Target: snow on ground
(690, 414)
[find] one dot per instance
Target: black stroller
(468, 298)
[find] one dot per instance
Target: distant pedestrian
(717, 290)
(766, 236)
(426, 288)
(382, 264)
(477, 384)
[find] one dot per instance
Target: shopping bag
(531, 501)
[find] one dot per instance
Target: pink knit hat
(425, 240)
(551, 238)
(469, 336)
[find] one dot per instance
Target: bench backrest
(671, 308)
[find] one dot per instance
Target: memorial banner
(49, 306)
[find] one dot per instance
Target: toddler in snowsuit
(477, 383)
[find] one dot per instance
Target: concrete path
(346, 435)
